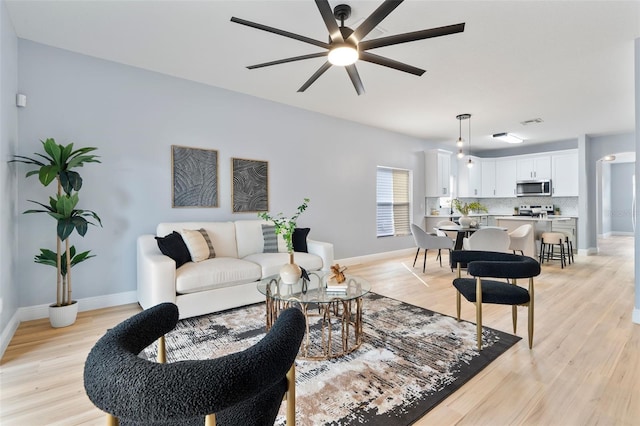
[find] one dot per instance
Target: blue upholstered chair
(243, 388)
(485, 264)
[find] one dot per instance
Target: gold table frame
(339, 312)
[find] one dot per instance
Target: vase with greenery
(466, 208)
(57, 163)
(285, 226)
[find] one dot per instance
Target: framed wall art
(250, 181)
(194, 177)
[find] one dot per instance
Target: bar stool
(547, 242)
(569, 244)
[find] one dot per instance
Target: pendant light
(460, 141)
(469, 162)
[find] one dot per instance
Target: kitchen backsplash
(568, 205)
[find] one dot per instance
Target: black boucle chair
(479, 290)
(244, 388)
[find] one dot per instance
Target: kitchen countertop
(535, 219)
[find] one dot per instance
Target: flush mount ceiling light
(508, 137)
(609, 158)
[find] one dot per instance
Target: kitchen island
(539, 224)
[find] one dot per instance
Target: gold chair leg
(458, 304)
(479, 312)
(531, 313)
(514, 317)
(112, 420)
(162, 350)
(291, 395)
(210, 420)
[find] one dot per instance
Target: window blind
(393, 214)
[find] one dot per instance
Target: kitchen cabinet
(469, 178)
(488, 178)
(506, 177)
(564, 178)
(437, 173)
(534, 168)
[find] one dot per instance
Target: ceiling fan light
(508, 137)
(343, 55)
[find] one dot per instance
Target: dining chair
(518, 238)
(487, 239)
(486, 264)
(429, 241)
(451, 234)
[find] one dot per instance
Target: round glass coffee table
(333, 318)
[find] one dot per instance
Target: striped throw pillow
(199, 244)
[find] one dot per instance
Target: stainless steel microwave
(533, 188)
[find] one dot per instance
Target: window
(393, 198)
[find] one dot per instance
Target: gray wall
(621, 196)
(8, 142)
(134, 116)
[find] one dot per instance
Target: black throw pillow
(299, 239)
(173, 245)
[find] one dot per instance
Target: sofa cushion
(222, 234)
(173, 245)
(270, 239)
(199, 244)
(215, 273)
(299, 239)
(249, 237)
(270, 263)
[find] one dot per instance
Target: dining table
(464, 231)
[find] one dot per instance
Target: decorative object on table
(414, 373)
(465, 209)
(250, 192)
(338, 273)
(56, 164)
(194, 177)
(290, 273)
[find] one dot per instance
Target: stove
(534, 211)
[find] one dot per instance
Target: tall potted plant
(290, 273)
(57, 164)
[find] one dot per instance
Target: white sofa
(226, 281)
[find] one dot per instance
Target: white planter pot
(465, 221)
(63, 316)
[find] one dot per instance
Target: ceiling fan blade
(412, 36)
(315, 76)
(280, 32)
(329, 20)
(286, 60)
(374, 19)
(386, 62)
(355, 78)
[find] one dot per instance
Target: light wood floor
(584, 368)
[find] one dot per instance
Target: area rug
(411, 360)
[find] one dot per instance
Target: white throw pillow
(199, 244)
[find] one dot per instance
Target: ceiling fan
(346, 46)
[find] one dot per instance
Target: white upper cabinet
(506, 178)
(534, 168)
(488, 178)
(437, 173)
(469, 178)
(564, 181)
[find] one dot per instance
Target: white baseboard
(90, 303)
(8, 332)
(635, 317)
(373, 257)
(29, 313)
